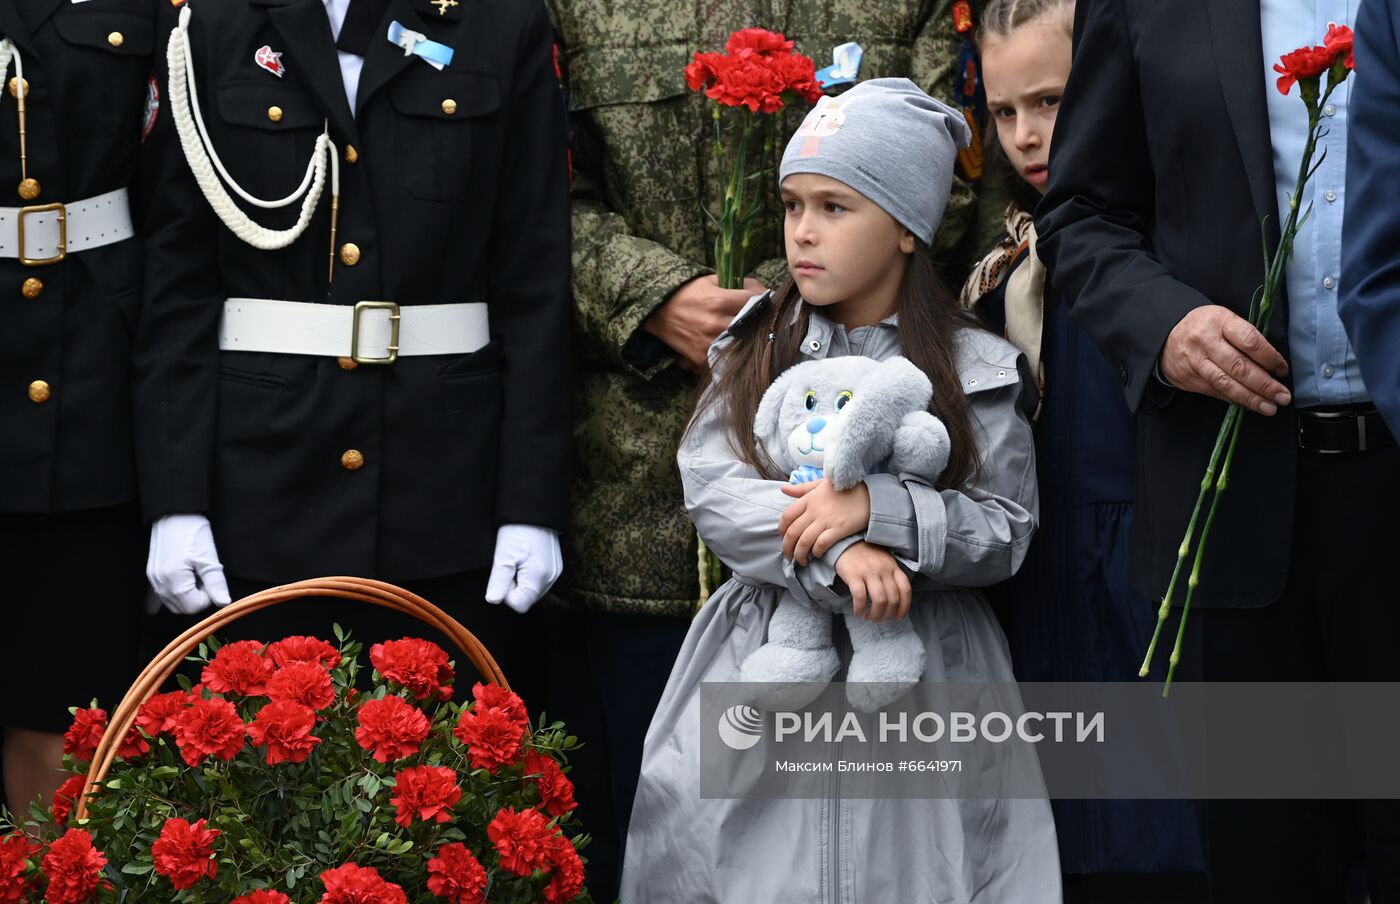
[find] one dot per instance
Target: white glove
(183, 566)
(528, 562)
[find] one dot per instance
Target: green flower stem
(1194, 581)
(1163, 611)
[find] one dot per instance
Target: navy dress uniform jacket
(455, 191)
(65, 350)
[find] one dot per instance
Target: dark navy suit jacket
(1370, 300)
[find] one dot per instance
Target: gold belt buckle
(360, 308)
(62, 234)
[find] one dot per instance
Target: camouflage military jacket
(643, 167)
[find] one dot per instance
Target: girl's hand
(875, 577)
(820, 517)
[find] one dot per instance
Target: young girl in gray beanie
(864, 181)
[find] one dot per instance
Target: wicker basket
(155, 674)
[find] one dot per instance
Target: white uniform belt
(46, 233)
(371, 332)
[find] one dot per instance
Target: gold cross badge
(442, 5)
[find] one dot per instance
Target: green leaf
(138, 869)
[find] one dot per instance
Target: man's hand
(695, 315)
(1215, 352)
(183, 567)
(527, 562)
(874, 577)
(821, 516)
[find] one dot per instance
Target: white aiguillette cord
(208, 169)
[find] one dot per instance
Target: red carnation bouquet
(757, 75)
(274, 781)
(1305, 68)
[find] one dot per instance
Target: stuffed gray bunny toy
(843, 418)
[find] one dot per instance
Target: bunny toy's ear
(884, 393)
(767, 421)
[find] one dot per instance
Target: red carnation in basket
(157, 715)
(456, 874)
(184, 853)
(522, 838)
(284, 726)
(556, 791)
(492, 737)
(567, 882)
(497, 697)
(15, 851)
(209, 728)
(351, 884)
(238, 668)
(391, 727)
(307, 683)
(426, 792)
(64, 799)
(420, 666)
(300, 648)
(85, 733)
(262, 896)
(73, 867)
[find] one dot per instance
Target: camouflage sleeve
(935, 69)
(771, 272)
(619, 278)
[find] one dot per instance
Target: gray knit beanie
(889, 141)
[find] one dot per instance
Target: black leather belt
(1351, 428)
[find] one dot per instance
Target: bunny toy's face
(820, 428)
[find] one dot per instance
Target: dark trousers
(607, 673)
(513, 640)
(1338, 620)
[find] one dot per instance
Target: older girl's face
(1024, 74)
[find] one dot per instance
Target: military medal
(442, 5)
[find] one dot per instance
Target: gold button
(274, 113)
(31, 288)
(349, 254)
(347, 363)
(14, 87)
(39, 392)
(351, 155)
(449, 106)
(352, 460)
(29, 189)
(115, 39)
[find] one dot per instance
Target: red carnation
(262, 896)
(567, 881)
(703, 70)
(1303, 63)
(157, 715)
(491, 736)
(15, 851)
(757, 40)
(209, 728)
(391, 727)
(284, 726)
(307, 683)
(418, 665)
(73, 867)
(303, 649)
(497, 697)
(522, 838)
(1338, 42)
(184, 853)
(85, 733)
(64, 799)
(556, 791)
(455, 874)
(351, 884)
(426, 792)
(238, 668)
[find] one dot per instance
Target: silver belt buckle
(394, 319)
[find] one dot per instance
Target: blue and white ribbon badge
(845, 66)
(417, 44)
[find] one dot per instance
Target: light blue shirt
(1323, 366)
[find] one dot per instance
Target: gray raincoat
(682, 848)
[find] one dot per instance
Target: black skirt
(74, 585)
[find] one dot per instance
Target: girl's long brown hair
(929, 315)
